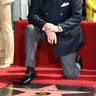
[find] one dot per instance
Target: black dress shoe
(78, 60)
(28, 77)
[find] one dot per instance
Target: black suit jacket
(67, 14)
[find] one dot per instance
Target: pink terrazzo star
(51, 90)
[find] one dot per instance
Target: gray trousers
(32, 36)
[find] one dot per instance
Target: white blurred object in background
(94, 19)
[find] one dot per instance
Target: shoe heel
(34, 77)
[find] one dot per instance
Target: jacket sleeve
(90, 4)
(34, 15)
(75, 18)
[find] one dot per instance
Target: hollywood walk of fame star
(51, 90)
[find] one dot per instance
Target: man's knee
(69, 75)
(29, 29)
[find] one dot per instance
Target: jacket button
(61, 14)
(61, 33)
(46, 13)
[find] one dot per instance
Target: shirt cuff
(60, 28)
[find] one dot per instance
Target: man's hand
(51, 37)
(50, 30)
(49, 27)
